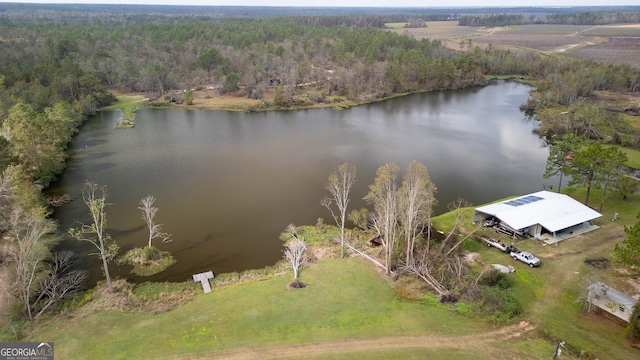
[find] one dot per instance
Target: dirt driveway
(481, 343)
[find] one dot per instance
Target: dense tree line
(594, 18)
(561, 101)
(355, 21)
(578, 18)
(90, 13)
(157, 56)
(496, 20)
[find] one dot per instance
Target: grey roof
(613, 295)
(551, 210)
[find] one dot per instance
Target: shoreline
(233, 102)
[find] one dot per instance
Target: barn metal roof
(613, 295)
(551, 210)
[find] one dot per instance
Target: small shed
(605, 298)
(541, 213)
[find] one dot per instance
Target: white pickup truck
(526, 257)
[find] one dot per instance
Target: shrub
(499, 303)
(153, 290)
(297, 284)
(147, 261)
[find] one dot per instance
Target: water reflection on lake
(227, 183)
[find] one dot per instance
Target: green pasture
(128, 105)
(434, 29)
(397, 25)
(345, 299)
(633, 157)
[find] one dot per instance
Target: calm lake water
(228, 183)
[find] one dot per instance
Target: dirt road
(481, 343)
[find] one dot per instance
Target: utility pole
(558, 350)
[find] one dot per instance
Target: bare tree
(28, 246)
(148, 213)
(295, 253)
(416, 200)
(455, 238)
(62, 282)
(339, 185)
(441, 267)
(5, 198)
(383, 196)
(95, 197)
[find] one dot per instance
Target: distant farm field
(445, 31)
(538, 37)
(614, 51)
(618, 44)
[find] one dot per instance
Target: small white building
(542, 215)
(609, 300)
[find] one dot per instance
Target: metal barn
(604, 297)
(542, 215)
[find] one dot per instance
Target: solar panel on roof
(523, 201)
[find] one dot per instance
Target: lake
(228, 183)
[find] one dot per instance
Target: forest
(580, 18)
(54, 73)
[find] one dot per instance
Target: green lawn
(633, 157)
(345, 299)
(128, 105)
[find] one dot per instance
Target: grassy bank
(128, 104)
(633, 157)
(345, 299)
(350, 311)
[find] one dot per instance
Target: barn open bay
(228, 183)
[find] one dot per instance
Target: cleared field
(443, 30)
(537, 37)
(616, 50)
(632, 30)
(618, 44)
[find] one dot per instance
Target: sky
(356, 3)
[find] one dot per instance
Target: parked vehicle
(505, 230)
(491, 222)
(494, 243)
(526, 257)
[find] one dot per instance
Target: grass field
(632, 30)
(345, 299)
(350, 311)
(128, 104)
(437, 29)
(633, 157)
(446, 31)
(547, 38)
